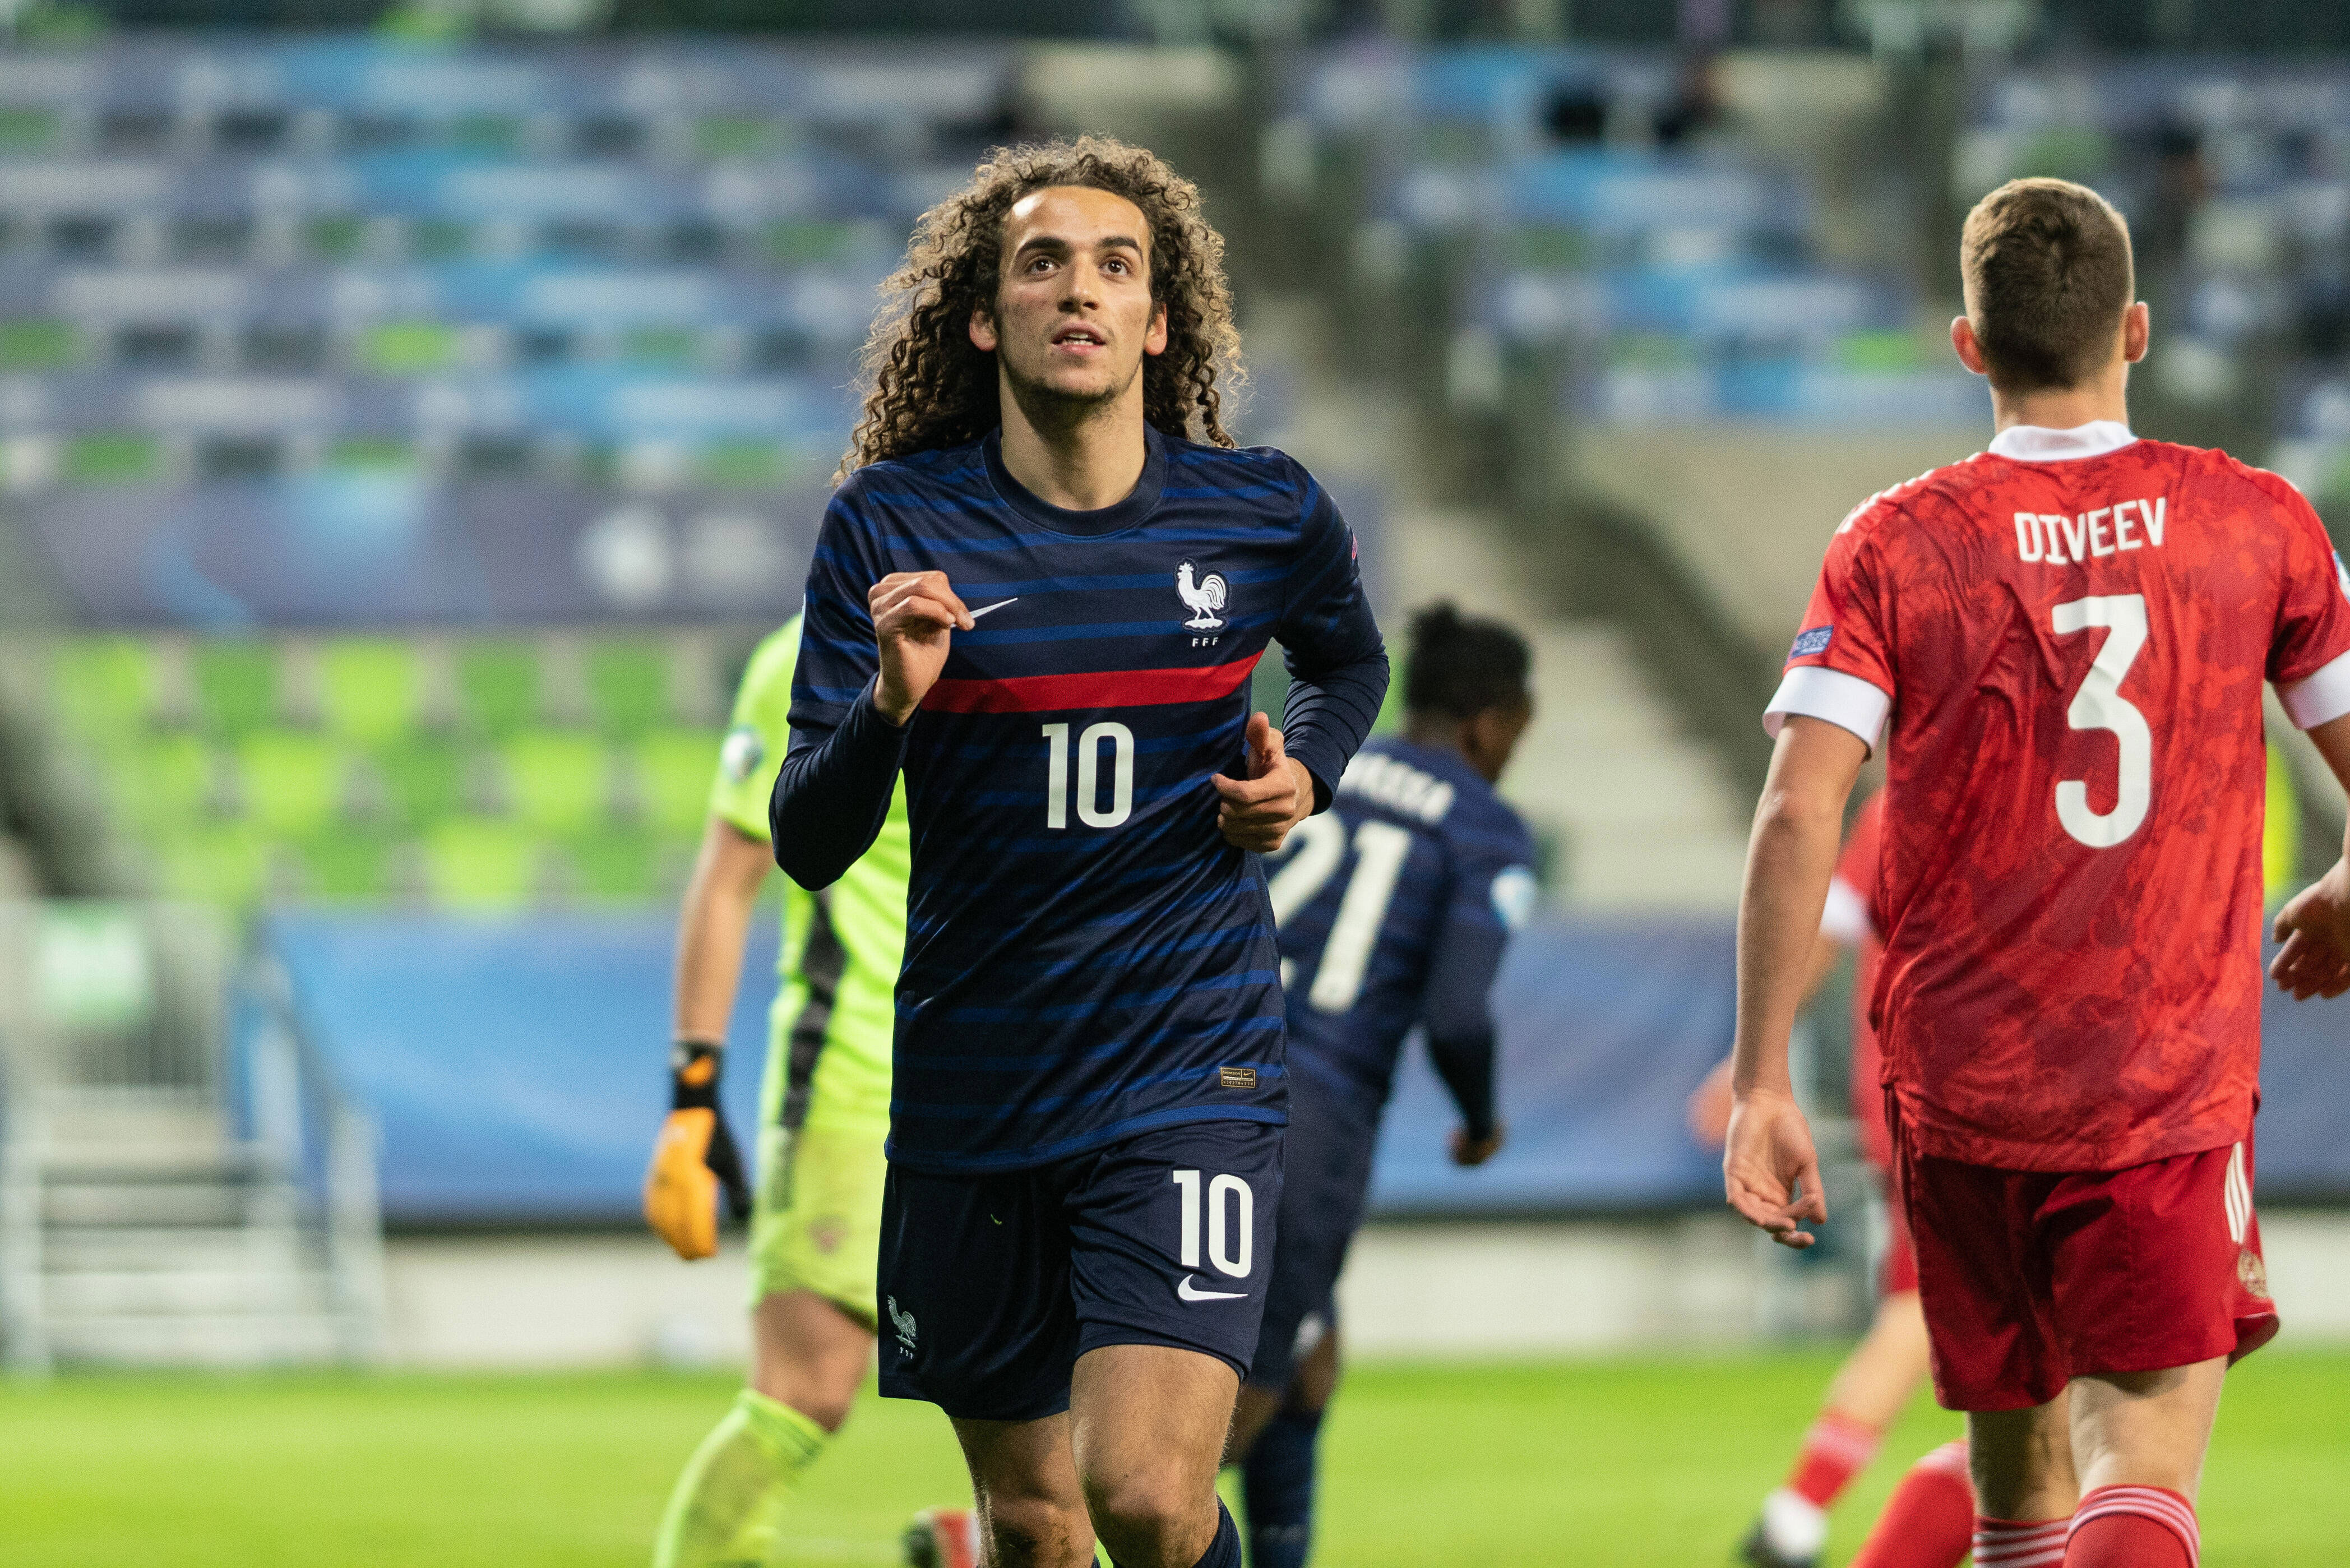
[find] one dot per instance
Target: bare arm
(1798, 830)
(2315, 926)
(1708, 1103)
(719, 897)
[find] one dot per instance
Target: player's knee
(820, 1391)
(1025, 1531)
(1140, 1514)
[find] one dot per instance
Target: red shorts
(1898, 1270)
(2031, 1279)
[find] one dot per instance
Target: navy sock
(1225, 1551)
(1277, 1483)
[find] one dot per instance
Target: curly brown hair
(928, 387)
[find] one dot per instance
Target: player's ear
(2138, 326)
(1969, 352)
(982, 329)
(1155, 342)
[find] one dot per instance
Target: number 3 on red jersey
(2100, 705)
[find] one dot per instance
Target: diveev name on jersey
(2061, 541)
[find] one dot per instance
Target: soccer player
(1039, 593)
(1394, 909)
(816, 1221)
(2068, 634)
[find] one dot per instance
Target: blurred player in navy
(1087, 1121)
(1394, 911)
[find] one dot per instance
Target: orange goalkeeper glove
(693, 1157)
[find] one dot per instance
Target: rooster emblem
(1203, 597)
(904, 1323)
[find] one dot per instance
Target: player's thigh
(2158, 1266)
(816, 1222)
(2145, 1428)
(810, 1353)
(2020, 1461)
(1146, 1428)
(1983, 1284)
(974, 1279)
(1172, 1239)
(1026, 1483)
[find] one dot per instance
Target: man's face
(1074, 315)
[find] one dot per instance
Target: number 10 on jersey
(1091, 810)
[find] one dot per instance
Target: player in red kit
(2061, 642)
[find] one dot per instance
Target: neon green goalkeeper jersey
(831, 1027)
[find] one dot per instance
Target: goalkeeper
(824, 1111)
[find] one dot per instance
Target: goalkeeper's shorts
(816, 1224)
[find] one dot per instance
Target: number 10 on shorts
(1224, 1192)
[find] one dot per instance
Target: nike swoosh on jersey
(1191, 1292)
(998, 605)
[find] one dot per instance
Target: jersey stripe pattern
(834, 1012)
(1086, 958)
(2073, 650)
(1395, 910)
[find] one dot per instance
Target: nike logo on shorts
(1191, 1292)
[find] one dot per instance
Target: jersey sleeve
(836, 659)
(1338, 664)
(756, 735)
(833, 791)
(2309, 654)
(1492, 894)
(1841, 666)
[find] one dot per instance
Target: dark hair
(926, 385)
(2047, 269)
(1460, 666)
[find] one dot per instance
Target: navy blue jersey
(1395, 908)
(1086, 958)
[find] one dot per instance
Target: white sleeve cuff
(2314, 699)
(1846, 916)
(1844, 700)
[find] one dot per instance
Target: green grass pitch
(1599, 1462)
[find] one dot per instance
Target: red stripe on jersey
(1101, 689)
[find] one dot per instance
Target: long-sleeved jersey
(1395, 908)
(1086, 957)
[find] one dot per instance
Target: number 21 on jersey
(1380, 850)
(2100, 705)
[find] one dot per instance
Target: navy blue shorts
(992, 1286)
(1326, 1180)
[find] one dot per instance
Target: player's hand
(2314, 931)
(1708, 1107)
(1767, 1159)
(915, 615)
(694, 1160)
(1257, 811)
(1471, 1152)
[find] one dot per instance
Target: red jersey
(1853, 917)
(2069, 631)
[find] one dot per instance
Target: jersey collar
(2038, 444)
(1139, 503)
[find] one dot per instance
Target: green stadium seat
(342, 867)
(424, 776)
(497, 682)
(615, 867)
(371, 688)
(481, 864)
(628, 681)
(236, 686)
(163, 784)
(557, 781)
(218, 864)
(292, 782)
(674, 769)
(104, 687)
